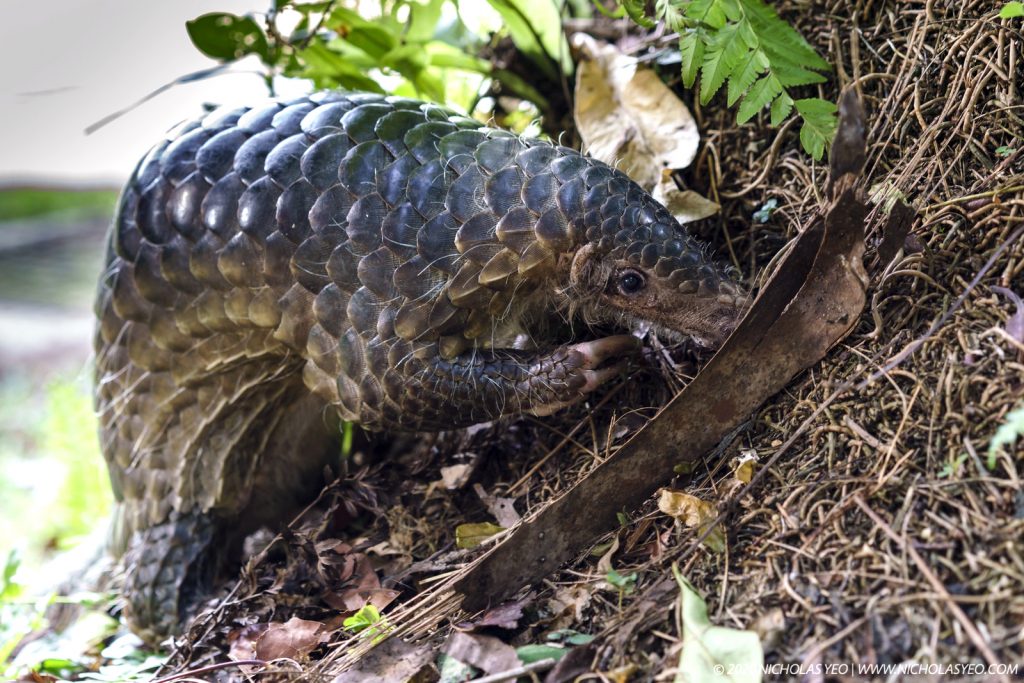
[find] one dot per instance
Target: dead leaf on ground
(484, 652)
(686, 205)
(455, 477)
(394, 661)
(568, 605)
(471, 535)
(744, 468)
(575, 663)
(362, 588)
(243, 643)
(505, 616)
(627, 116)
(503, 509)
(294, 639)
(694, 513)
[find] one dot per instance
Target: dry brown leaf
(568, 605)
(694, 513)
(483, 652)
(455, 476)
(243, 641)
(293, 639)
(686, 205)
(393, 661)
(627, 116)
(505, 616)
(503, 509)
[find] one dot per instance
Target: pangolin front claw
(580, 371)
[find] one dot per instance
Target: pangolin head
(640, 265)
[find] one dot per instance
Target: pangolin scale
(375, 258)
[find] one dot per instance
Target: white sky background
(69, 63)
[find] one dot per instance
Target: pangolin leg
(484, 385)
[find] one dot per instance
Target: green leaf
(819, 125)
(691, 49)
(1006, 435)
(536, 29)
(708, 12)
(669, 12)
(781, 108)
(713, 653)
(722, 56)
(329, 69)
(763, 92)
(1012, 10)
(371, 38)
(528, 654)
(447, 56)
(773, 31)
(227, 37)
(423, 20)
(472, 535)
(636, 11)
(745, 74)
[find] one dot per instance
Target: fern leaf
(708, 12)
(669, 12)
(780, 36)
(762, 92)
(819, 124)
(721, 57)
(1006, 435)
(781, 107)
(752, 66)
(691, 48)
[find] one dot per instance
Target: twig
(512, 674)
(210, 667)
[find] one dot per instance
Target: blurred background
(68, 69)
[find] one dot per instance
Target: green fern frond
(744, 43)
(759, 96)
(722, 54)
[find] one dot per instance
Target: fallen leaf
(770, 627)
(505, 616)
(484, 652)
(1015, 323)
(568, 605)
(455, 476)
(471, 535)
(686, 205)
(393, 661)
(294, 639)
(627, 116)
(243, 641)
(576, 662)
(744, 470)
(528, 654)
(694, 513)
(503, 509)
(713, 653)
(362, 588)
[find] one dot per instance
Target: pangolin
(376, 258)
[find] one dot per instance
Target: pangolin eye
(631, 282)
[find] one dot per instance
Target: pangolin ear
(582, 263)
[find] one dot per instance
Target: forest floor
(885, 534)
